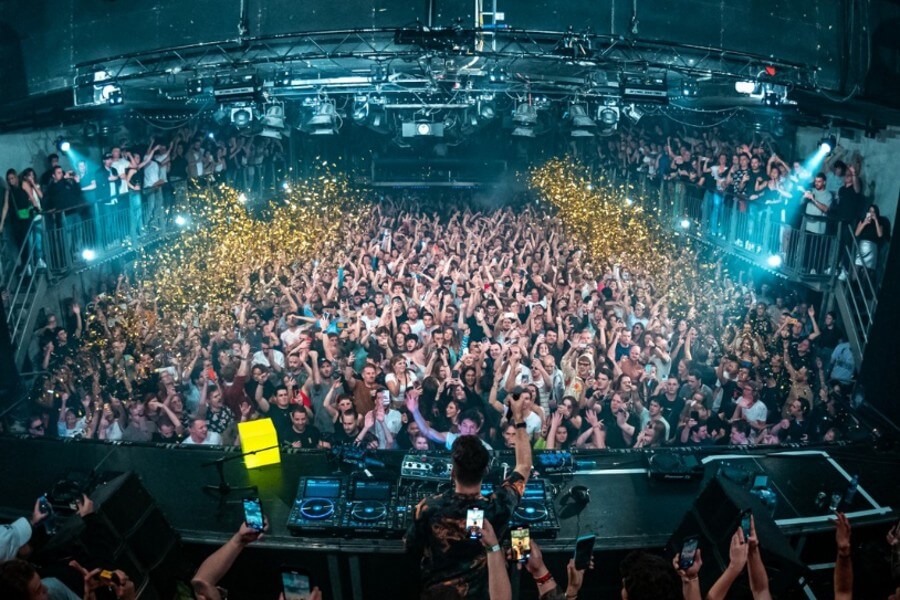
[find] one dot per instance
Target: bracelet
(543, 578)
(521, 425)
(494, 548)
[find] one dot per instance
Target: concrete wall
(30, 149)
(880, 163)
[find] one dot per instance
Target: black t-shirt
(614, 436)
(308, 439)
(671, 411)
(851, 207)
(281, 418)
(476, 331)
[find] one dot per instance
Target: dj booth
(343, 517)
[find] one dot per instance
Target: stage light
(744, 87)
(589, 187)
(827, 144)
(111, 94)
(211, 135)
(241, 116)
(423, 128)
(629, 201)
(360, 109)
(487, 112)
(525, 114)
(608, 115)
(64, 146)
(181, 220)
(579, 117)
(286, 186)
(242, 198)
(685, 223)
(774, 261)
(88, 254)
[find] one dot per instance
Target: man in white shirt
(751, 410)
(199, 435)
(154, 179)
(120, 164)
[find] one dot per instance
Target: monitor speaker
(129, 532)
(714, 518)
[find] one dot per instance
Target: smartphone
(454, 374)
(44, 505)
(745, 522)
(253, 514)
(584, 549)
(760, 482)
(521, 544)
(295, 584)
(108, 577)
(474, 522)
(688, 552)
(385, 397)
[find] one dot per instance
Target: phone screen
(688, 552)
(521, 544)
(584, 548)
(44, 505)
(745, 523)
(385, 397)
(474, 522)
(295, 585)
(253, 514)
(454, 374)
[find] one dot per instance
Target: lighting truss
(327, 52)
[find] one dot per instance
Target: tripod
(223, 488)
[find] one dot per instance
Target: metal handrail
(755, 233)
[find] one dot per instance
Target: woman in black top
(17, 209)
(869, 233)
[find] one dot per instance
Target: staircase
(23, 286)
(856, 296)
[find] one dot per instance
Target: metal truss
(520, 50)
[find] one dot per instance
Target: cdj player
(318, 507)
(535, 510)
(371, 510)
(334, 507)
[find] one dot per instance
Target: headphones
(580, 494)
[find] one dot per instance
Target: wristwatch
(494, 548)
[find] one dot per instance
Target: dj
(450, 557)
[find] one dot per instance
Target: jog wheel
(317, 508)
(530, 510)
(368, 510)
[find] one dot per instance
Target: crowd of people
(137, 178)
(746, 173)
(422, 326)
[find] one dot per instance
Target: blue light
(65, 146)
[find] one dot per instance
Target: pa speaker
(714, 518)
(129, 532)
